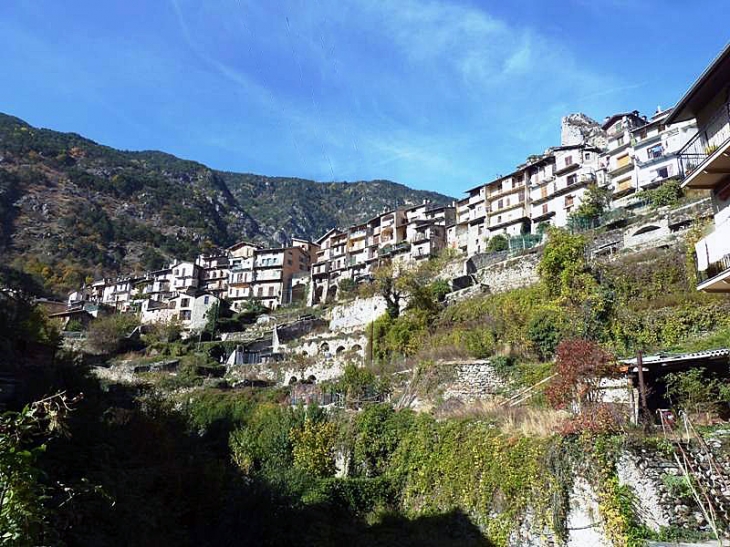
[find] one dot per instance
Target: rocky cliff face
(581, 129)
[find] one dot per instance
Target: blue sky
(436, 94)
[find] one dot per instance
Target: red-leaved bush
(599, 418)
(580, 365)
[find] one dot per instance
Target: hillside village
(601, 175)
(544, 362)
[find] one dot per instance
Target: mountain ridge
(72, 208)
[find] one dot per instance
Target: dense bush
(107, 335)
(496, 244)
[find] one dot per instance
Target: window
(289, 262)
(662, 173)
(205, 300)
(620, 141)
(568, 201)
(587, 156)
(572, 179)
(185, 303)
(271, 291)
(655, 152)
(500, 203)
(568, 160)
(260, 291)
(184, 315)
(172, 304)
(544, 208)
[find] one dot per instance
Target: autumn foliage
(580, 365)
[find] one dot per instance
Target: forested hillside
(285, 206)
(71, 208)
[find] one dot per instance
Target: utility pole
(643, 408)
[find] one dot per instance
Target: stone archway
(646, 229)
(324, 347)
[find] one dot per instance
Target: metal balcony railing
(707, 139)
(714, 269)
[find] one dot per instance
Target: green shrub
(544, 331)
(693, 390)
(313, 448)
(439, 289)
(497, 243)
(107, 335)
(378, 430)
(74, 325)
(264, 444)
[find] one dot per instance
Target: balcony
(624, 187)
(269, 275)
(621, 167)
(359, 234)
(704, 160)
(320, 269)
(495, 195)
(476, 198)
(567, 168)
(713, 260)
(394, 249)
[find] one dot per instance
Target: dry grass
(445, 352)
(520, 420)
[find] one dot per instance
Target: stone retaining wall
(470, 380)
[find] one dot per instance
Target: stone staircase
(709, 472)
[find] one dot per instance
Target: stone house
(655, 149)
(508, 204)
(214, 273)
(617, 163)
(471, 221)
(406, 235)
(559, 181)
(189, 308)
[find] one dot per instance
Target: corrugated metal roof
(673, 358)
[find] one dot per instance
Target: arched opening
(311, 379)
(332, 293)
(318, 292)
(646, 229)
(357, 348)
(293, 380)
(324, 347)
(304, 353)
(340, 349)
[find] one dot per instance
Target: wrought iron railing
(714, 269)
(706, 141)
